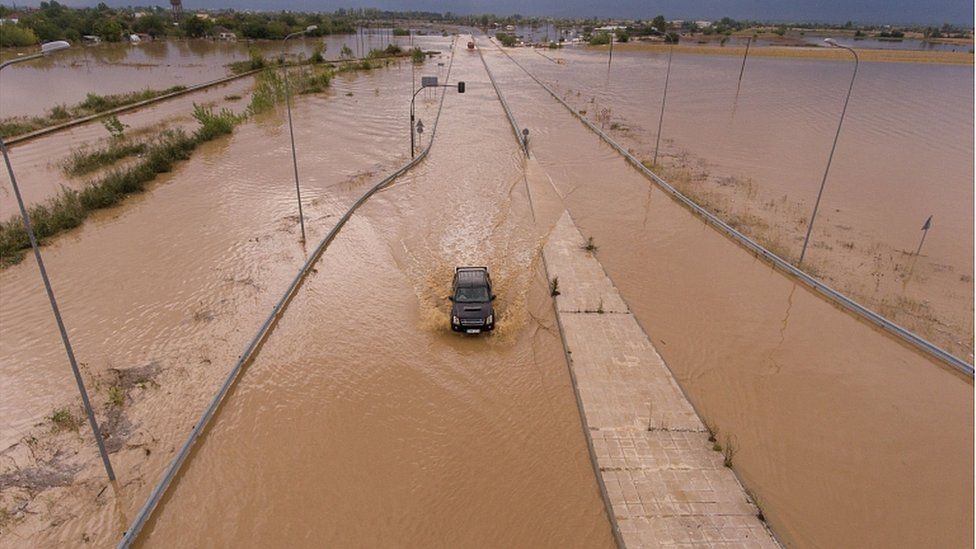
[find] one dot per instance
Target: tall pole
(291, 129)
(743, 69)
(664, 99)
(65, 340)
(610, 61)
(833, 147)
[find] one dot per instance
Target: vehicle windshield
(471, 295)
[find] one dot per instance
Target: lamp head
(51, 47)
(831, 42)
(310, 28)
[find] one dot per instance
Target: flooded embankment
(112, 68)
(162, 293)
(40, 163)
(757, 158)
(365, 421)
(847, 436)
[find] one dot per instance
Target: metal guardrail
(604, 494)
(519, 135)
(125, 108)
(263, 332)
(778, 262)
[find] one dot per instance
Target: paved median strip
(663, 481)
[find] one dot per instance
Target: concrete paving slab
(665, 482)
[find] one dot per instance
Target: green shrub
(318, 54)
(417, 55)
(64, 420)
(16, 36)
(507, 40)
(214, 124)
(600, 39)
(85, 161)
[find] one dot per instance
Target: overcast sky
(958, 12)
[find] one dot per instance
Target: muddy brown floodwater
(161, 294)
(118, 68)
(365, 421)
(757, 159)
(847, 437)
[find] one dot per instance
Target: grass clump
(729, 452)
(84, 161)
(269, 89)
(590, 246)
(214, 124)
(116, 396)
(64, 420)
(417, 55)
(554, 286)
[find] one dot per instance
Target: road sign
(420, 126)
(428, 81)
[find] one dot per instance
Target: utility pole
(925, 232)
(840, 124)
(664, 99)
(743, 69)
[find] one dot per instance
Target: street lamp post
(830, 158)
(664, 99)
(426, 82)
(47, 49)
(291, 130)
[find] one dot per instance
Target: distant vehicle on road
(471, 297)
(471, 45)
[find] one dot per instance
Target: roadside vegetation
(157, 155)
(55, 21)
(70, 207)
(84, 161)
(508, 40)
(93, 104)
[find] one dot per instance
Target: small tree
(317, 53)
(660, 24)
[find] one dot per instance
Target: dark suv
(471, 295)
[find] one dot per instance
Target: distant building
(90, 39)
(703, 24)
(223, 33)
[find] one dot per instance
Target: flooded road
(757, 160)
(846, 436)
(365, 421)
(172, 284)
